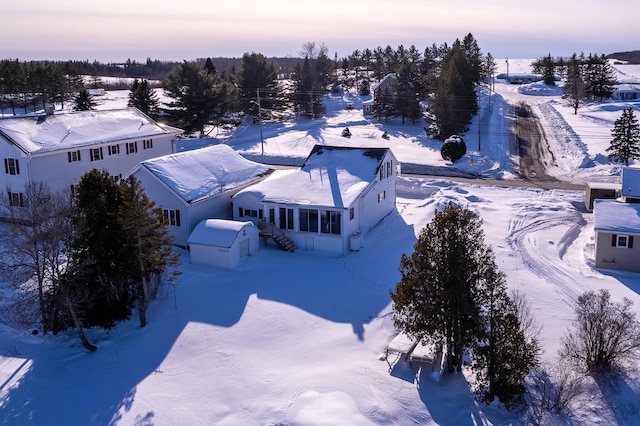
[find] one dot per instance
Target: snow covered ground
(293, 339)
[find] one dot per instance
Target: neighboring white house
(222, 243)
(625, 92)
(336, 197)
(191, 186)
(60, 148)
(388, 82)
(617, 225)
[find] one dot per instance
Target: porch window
(308, 220)
(330, 222)
(622, 241)
(286, 218)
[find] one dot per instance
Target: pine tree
(436, 298)
(84, 101)
(575, 88)
(148, 241)
(548, 71)
(98, 250)
(143, 97)
(625, 144)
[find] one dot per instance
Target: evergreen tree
(548, 71)
(143, 97)
(575, 88)
(148, 242)
(98, 250)
(436, 299)
(258, 78)
(209, 67)
(601, 77)
(383, 105)
(84, 101)
(311, 80)
(502, 355)
(199, 97)
(625, 144)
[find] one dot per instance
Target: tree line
(86, 259)
(587, 78)
(207, 91)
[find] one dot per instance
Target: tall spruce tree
(143, 97)
(84, 101)
(98, 250)
(436, 299)
(148, 242)
(625, 144)
(575, 88)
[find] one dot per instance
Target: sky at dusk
(189, 29)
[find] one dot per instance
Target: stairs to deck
(269, 230)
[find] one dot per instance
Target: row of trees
(89, 257)
(588, 78)
(452, 295)
(447, 76)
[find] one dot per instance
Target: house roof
(63, 131)
(630, 182)
(217, 232)
(201, 173)
(331, 176)
(615, 216)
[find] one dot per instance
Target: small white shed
(222, 243)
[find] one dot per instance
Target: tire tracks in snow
(532, 219)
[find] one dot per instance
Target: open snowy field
(294, 339)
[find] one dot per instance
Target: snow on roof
(331, 176)
(204, 172)
(217, 232)
(42, 133)
(630, 182)
(614, 216)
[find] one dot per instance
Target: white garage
(222, 243)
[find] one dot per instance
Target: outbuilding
(222, 243)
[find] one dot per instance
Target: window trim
(622, 241)
(12, 166)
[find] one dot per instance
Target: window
(132, 147)
(352, 213)
(286, 218)
(249, 213)
(147, 143)
(381, 171)
(389, 168)
(73, 188)
(171, 216)
(96, 154)
(16, 199)
(308, 220)
(11, 166)
(330, 222)
(113, 149)
(622, 241)
(73, 156)
(382, 196)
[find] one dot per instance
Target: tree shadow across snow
(100, 387)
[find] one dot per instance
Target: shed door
(244, 248)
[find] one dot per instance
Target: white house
(625, 92)
(222, 243)
(191, 186)
(630, 184)
(330, 203)
(60, 148)
(388, 82)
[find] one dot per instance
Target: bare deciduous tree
(605, 334)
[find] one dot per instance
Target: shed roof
(630, 182)
(43, 133)
(200, 173)
(614, 216)
(218, 232)
(331, 177)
